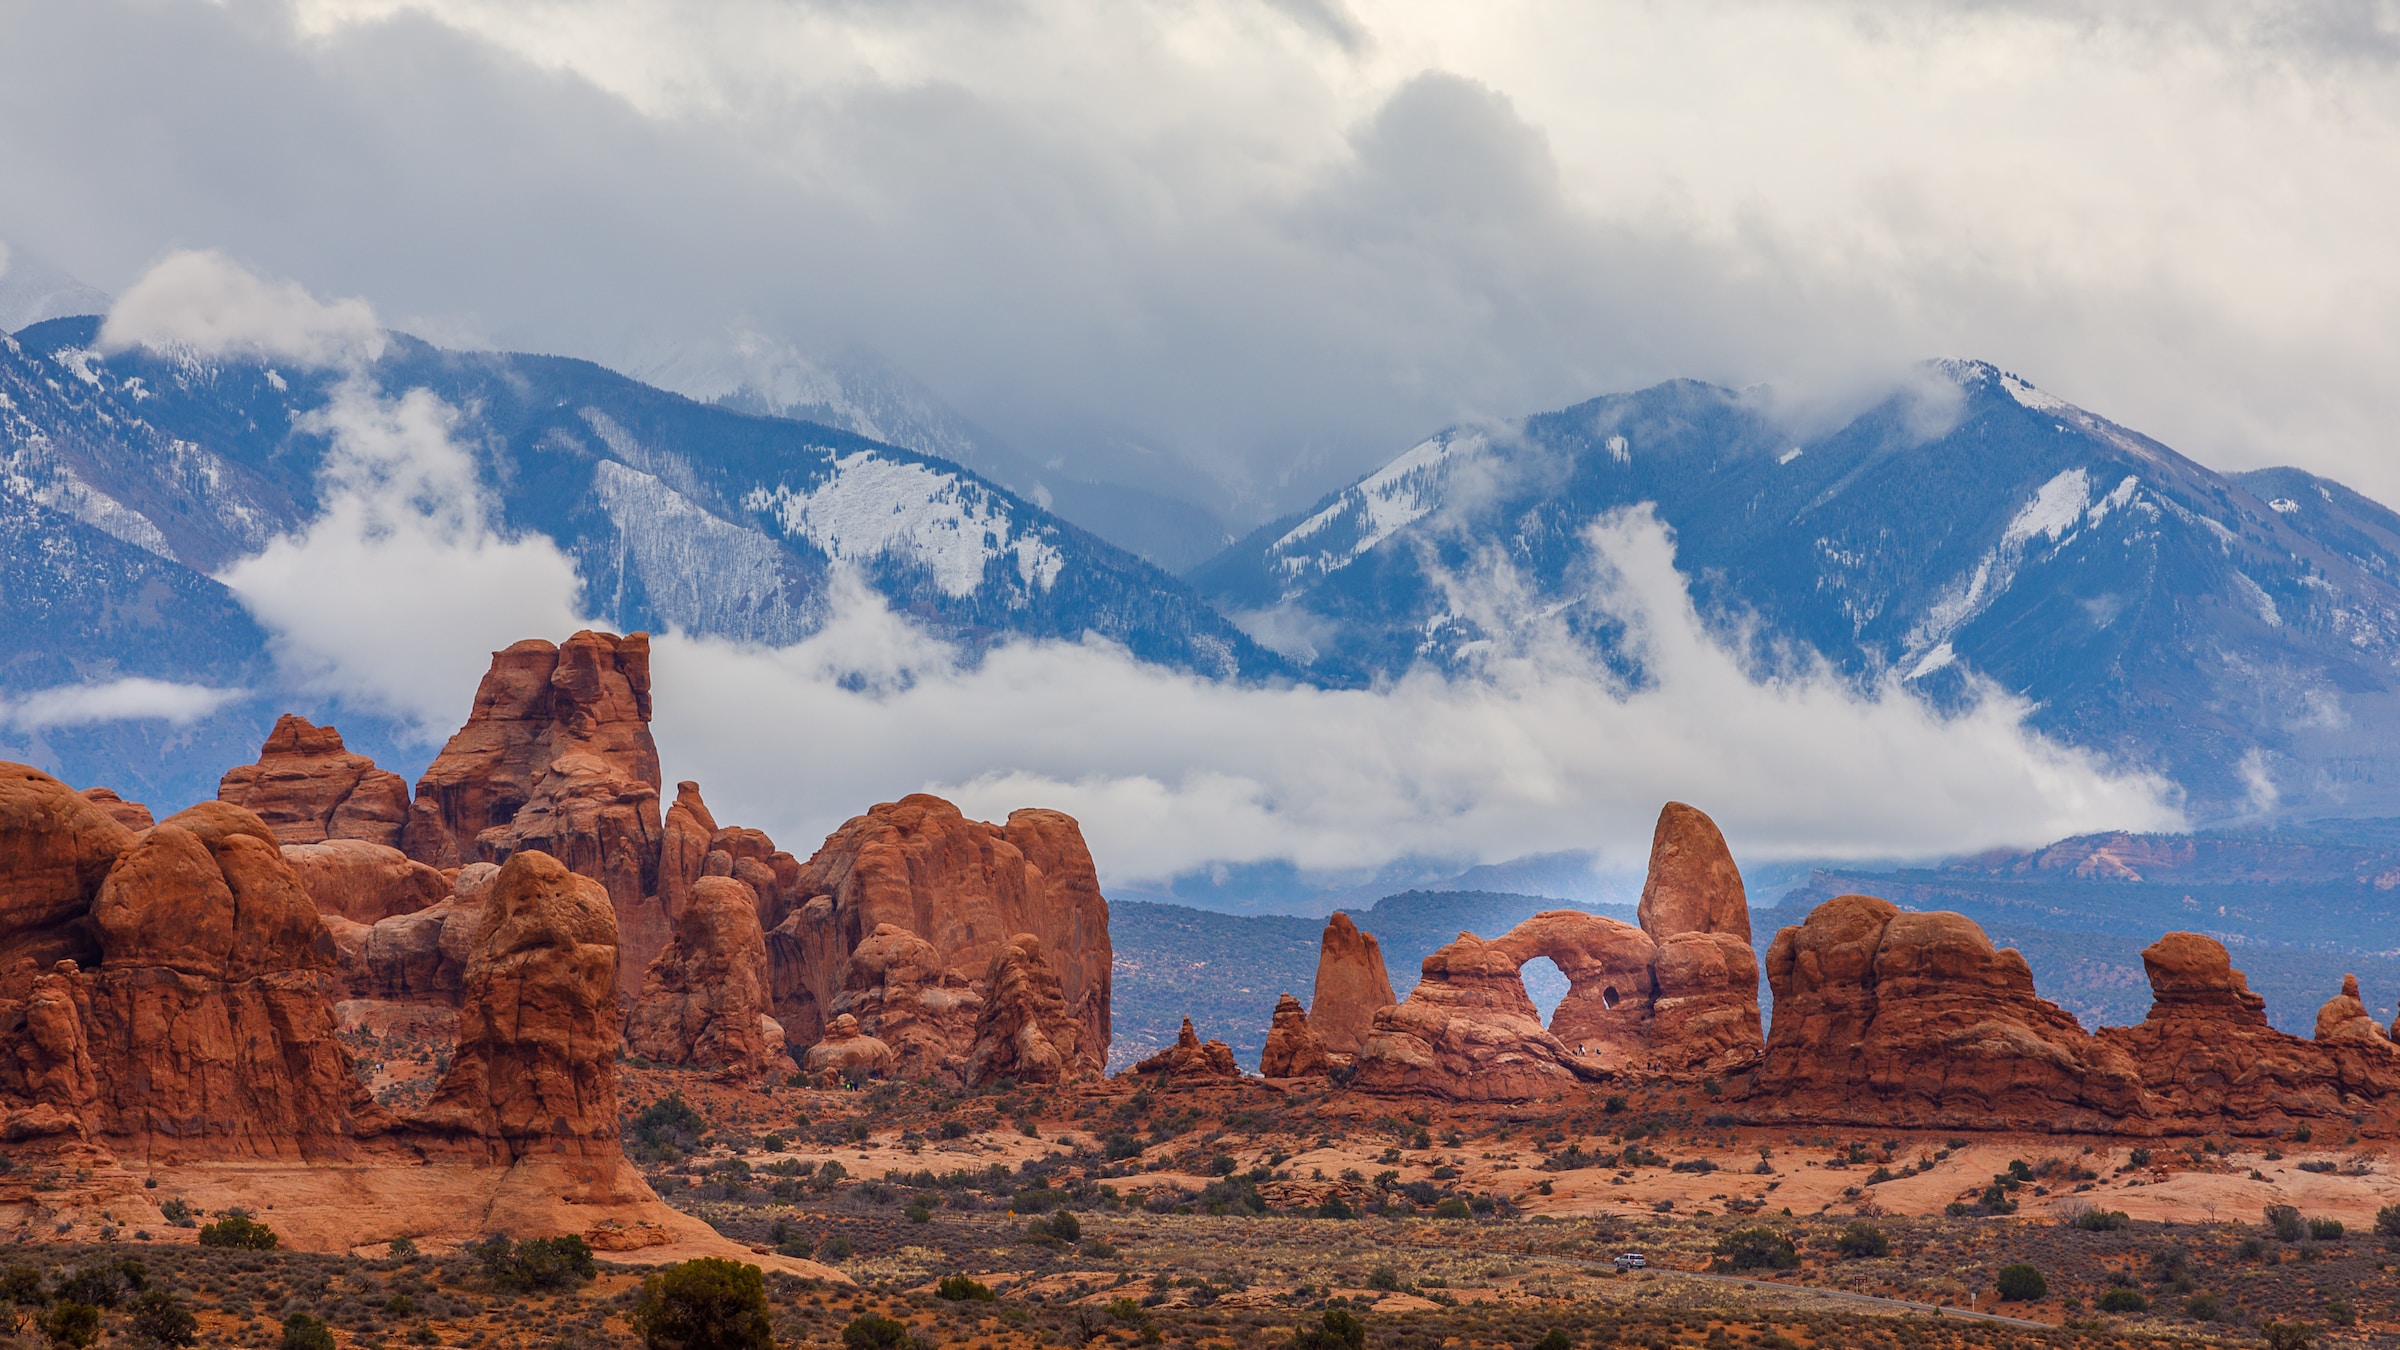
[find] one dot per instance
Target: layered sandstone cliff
(309, 788)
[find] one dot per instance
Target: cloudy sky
(1276, 242)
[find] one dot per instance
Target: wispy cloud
(129, 700)
(209, 305)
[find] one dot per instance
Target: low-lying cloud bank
(127, 700)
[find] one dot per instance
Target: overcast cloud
(1279, 242)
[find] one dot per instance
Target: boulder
(534, 1071)
(2344, 1018)
(1189, 1057)
(1024, 1031)
(1907, 1019)
(206, 892)
(1352, 986)
(704, 1000)
(131, 815)
(2211, 1062)
(1692, 885)
(1467, 1032)
(847, 1051)
(1293, 1049)
(966, 887)
(363, 882)
(308, 788)
(56, 847)
(557, 757)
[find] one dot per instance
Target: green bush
(1066, 1227)
(1860, 1238)
(708, 1303)
(160, 1319)
(2387, 1221)
(1554, 1340)
(239, 1230)
(1451, 1208)
(303, 1332)
(2289, 1335)
(2103, 1220)
(1756, 1248)
(2286, 1223)
(74, 1325)
(535, 1264)
(873, 1331)
(837, 1249)
(1337, 1208)
(2204, 1307)
(2019, 1282)
(2325, 1230)
(1384, 1278)
(1342, 1330)
(960, 1289)
(2124, 1301)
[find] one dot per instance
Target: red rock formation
(1190, 1058)
(1025, 1031)
(684, 847)
(55, 849)
(1607, 1011)
(1704, 1015)
(557, 757)
(900, 994)
(1693, 885)
(846, 1051)
(308, 788)
(1293, 1048)
(1468, 1032)
(131, 815)
(964, 886)
(534, 1072)
(2344, 1018)
(1891, 1018)
(2210, 1061)
(363, 882)
(1352, 986)
(704, 1000)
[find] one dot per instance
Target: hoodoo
(309, 788)
(1352, 986)
(704, 1000)
(1293, 1049)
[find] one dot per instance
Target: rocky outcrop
(557, 757)
(534, 1070)
(2210, 1060)
(704, 1000)
(418, 957)
(965, 887)
(1606, 1014)
(898, 991)
(1191, 1058)
(56, 847)
(847, 1052)
(1908, 1019)
(2344, 1018)
(1704, 1004)
(1467, 1032)
(1025, 1031)
(1352, 986)
(363, 882)
(684, 848)
(131, 815)
(1693, 885)
(309, 788)
(1293, 1048)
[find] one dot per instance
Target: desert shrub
(404, 1249)
(2289, 1335)
(238, 1230)
(1452, 1208)
(2204, 1307)
(103, 1286)
(2124, 1301)
(536, 1263)
(708, 1303)
(2103, 1220)
(303, 1332)
(1384, 1278)
(1341, 1329)
(1337, 1208)
(1756, 1248)
(178, 1213)
(1066, 1227)
(2325, 1230)
(664, 1130)
(872, 1331)
(2387, 1221)
(71, 1324)
(2285, 1222)
(2019, 1282)
(160, 1319)
(837, 1249)
(1861, 1238)
(1555, 1339)
(960, 1289)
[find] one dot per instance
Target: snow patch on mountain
(701, 574)
(873, 507)
(1387, 501)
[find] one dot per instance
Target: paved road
(1871, 1300)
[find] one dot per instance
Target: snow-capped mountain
(2240, 633)
(32, 290)
(128, 477)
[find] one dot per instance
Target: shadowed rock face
(557, 757)
(1189, 1057)
(308, 788)
(704, 1000)
(1352, 986)
(535, 1068)
(1293, 1049)
(964, 888)
(55, 849)
(363, 882)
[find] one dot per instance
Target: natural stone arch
(1606, 1013)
